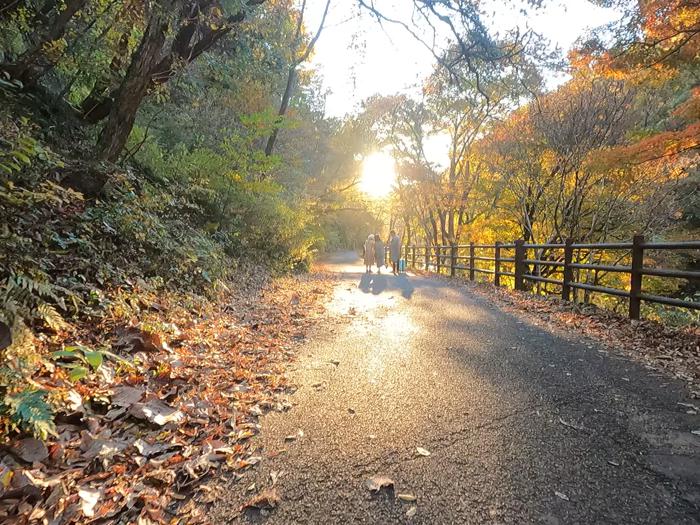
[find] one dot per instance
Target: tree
(656, 42)
(136, 83)
(548, 177)
(470, 44)
(201, 25)
(299, 56)
(33, 63)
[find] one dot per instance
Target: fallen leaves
(30, 450)
(157, 412)
(377, 483)
(267, 499)
(138, 436)
(561, 495)
(571, 425)
(125, 396)
(422, 452)
(89, 498)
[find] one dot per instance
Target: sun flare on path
(378, 174)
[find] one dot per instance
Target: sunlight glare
(378, 174)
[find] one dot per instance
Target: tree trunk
(93, 106)
(284, 105)
(182, 51)
(135, 85)
(32, 64)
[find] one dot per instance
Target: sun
(378, 174)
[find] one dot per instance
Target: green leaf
(66, 353)
(94, 359)
(78, 373)
(21, 157)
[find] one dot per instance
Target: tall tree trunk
(408, 232)
(93, 106)
(135, 85)
(284, 105)
(292, 75)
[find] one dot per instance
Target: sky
(356, 57)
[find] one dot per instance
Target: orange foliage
(668, 47)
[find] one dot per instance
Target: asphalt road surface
(522, 426)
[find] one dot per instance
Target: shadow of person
(365, 282)
(372, 283)
(378, 284)
(405, 285)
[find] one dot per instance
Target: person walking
(379, 252)
(394, 251)
(369, 254)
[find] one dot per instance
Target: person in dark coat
(394, 251)
(379, 252)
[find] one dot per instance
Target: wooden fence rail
(526, 262)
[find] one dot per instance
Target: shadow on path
(378, 283)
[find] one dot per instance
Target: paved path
(522, 426)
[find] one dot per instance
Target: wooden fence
(527, 263)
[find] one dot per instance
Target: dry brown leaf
(125, 396)
(155, 411)
(31, 450)
(377, 483)
(561, 495)
(268, 499)
(89, 498)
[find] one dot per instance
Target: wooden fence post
(427, 257)
(636, 276)
(520, 253)
(471, 261)
(413, 256)
(438, 259)
(568, 270)
(453, 259)
(497, 265)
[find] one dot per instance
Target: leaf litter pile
(175, 401)
(675, 350)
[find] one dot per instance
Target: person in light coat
(369, 253)
(379, 252)
(394, 251)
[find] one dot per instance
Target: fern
(26, 298)
(25, 301)
(29, 411)
(50, 316)
(20, 153)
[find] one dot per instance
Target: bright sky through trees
(378, 174)
(395, 62)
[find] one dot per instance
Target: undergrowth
(178, 222)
